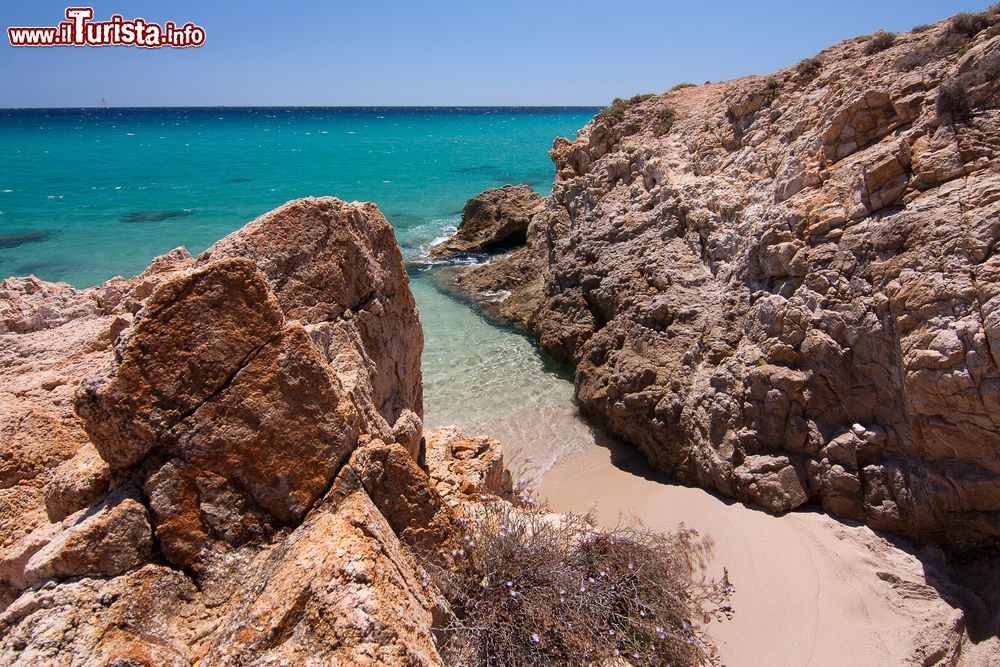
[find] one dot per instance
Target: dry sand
(810, 590)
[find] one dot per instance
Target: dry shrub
(880, 41)
(809, 67)
(914, 59)
(970, 24)
(537, 588)
(952, 97)
(950, 41)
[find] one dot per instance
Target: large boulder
(343, 278)
(208, 501)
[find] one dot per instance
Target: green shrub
(809, 67)
(615, 112)
(665, 121)
(970, 24)
(540, 590)
(994, 30)
(773, 88)
(880, 41)
(684, 84)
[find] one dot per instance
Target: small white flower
(535, 638)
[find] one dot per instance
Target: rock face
(239, 482)
(786, 288)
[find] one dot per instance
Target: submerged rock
(156, 216)
(741, 273)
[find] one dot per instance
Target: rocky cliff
(220, 461)
(786, 287)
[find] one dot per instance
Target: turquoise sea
(86, 194)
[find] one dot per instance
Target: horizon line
(316, 106)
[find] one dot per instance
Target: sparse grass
(615, 112)
(684, 84)
(665, 121)
(921, 28)
(809, 67)
(994, 30)
(539, 589)
(880, 41)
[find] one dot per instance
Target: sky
(425, 53)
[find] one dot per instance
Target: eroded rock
(200, 507)
(493, 220)
(793, 256)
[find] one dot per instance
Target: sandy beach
(810, 590)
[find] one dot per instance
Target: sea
(87, 194)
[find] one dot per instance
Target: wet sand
(810, 590)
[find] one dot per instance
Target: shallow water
(87, 194)
(489, 379)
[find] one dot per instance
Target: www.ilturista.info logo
(80, 30)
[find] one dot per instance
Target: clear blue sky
(371, 52)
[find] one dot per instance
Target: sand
(810, 590)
